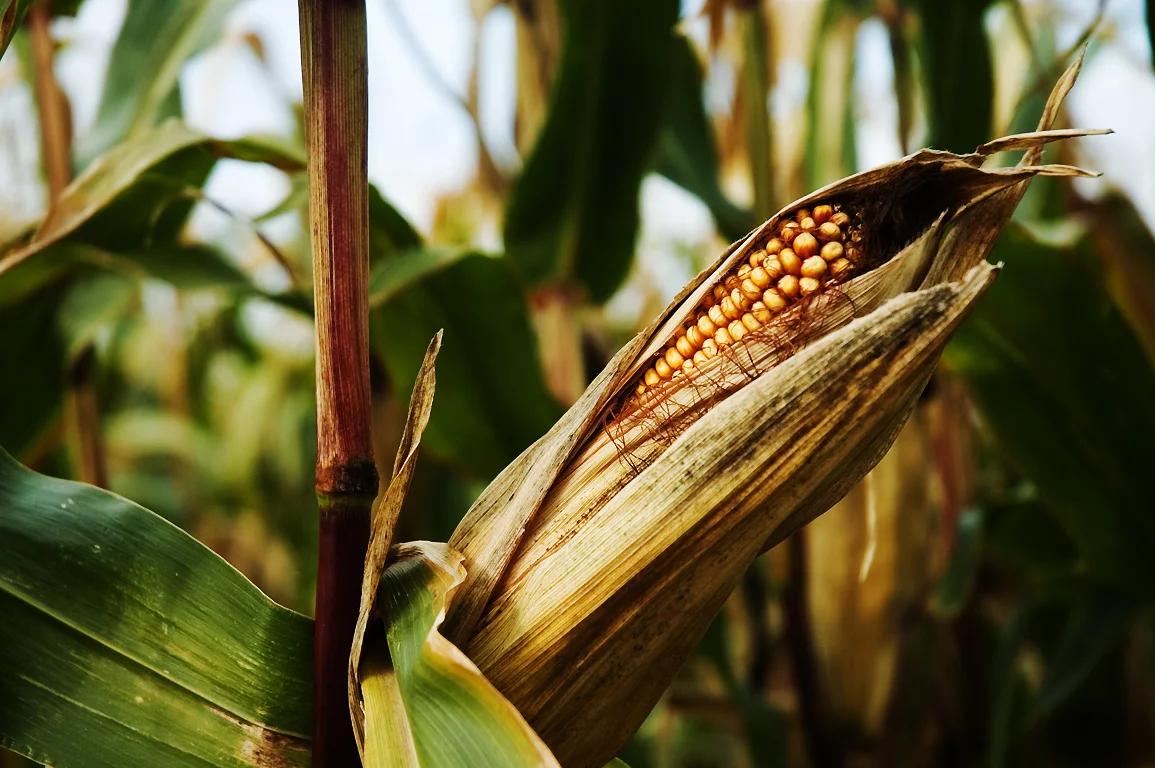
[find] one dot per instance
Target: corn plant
(555, 615)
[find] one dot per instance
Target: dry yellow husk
(870, 564)
(598, 558)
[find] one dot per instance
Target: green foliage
(40, 349)
(430, 700)
(141, 87)
(491, 395)
(687, 154)
(11, 15)
(958, 73)
(136, 641)
(573, 214)
(1042, 350)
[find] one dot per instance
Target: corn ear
(597, 559)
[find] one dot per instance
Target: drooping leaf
(127, 642)
(389, 232)
(11, 15)
(830, 145)
(958, 76)
(136, 196)
(1151, 28)
(392, 277)
(1097, 623)
(427, 704)
(491, 398)
(573, 213)
(32, 354)
(687, 154)
(1127, 249)
(954, 590)
(141, 86)
(91, 306)
(1064, 385)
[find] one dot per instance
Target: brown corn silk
(597, 559)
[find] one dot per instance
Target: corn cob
(811, 250)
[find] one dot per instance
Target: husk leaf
(416, 699)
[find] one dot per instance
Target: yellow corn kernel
(829, 231)
(809, 285)
(788, 286)
(774, 300)
(840, 268)
(760, 278)
(822, 213)
(774, 268)
(805, 245)
(790, 262)
(815, 266)
(751, 290)
(832, 251)
(663, 368)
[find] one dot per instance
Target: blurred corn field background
(547, 174)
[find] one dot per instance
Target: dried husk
(596, 560)
(870, 565)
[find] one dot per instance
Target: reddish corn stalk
(333, 63)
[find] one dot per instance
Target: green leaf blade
(455, 716)
(125, 637)
(573, 214)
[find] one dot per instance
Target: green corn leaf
(426, 703)
(573, 214)
(141, 86)
(127, 642)
(11, 15)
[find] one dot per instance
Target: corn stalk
(333, 60)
